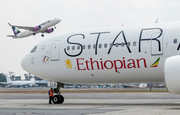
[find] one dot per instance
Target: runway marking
(23, 113)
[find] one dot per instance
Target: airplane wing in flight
(36, 28)
(11, 36)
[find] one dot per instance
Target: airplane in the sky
(19, 83)
(42, 28)
(127, 54)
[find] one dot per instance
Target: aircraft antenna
(157, 21)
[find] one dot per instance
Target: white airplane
(19, 83)
(42, 28)
(126, 54)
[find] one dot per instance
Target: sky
(74, 15)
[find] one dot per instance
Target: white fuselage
(24, 34)
(131, 59)
(22, 83)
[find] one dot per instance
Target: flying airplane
(19, 83)
(126, 54)
(42, 28)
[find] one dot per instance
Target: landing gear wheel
(61, 99)
(58, 99)
(42, 35)
(34, 34)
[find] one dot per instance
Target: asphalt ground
(91, 104)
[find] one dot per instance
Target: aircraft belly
(101, 77)
(25, 34)
(104, 77)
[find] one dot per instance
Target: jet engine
(172, 74)
(37, 28)
(49, 30)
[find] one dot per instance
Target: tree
(12, 75)
(37, 78)
(2, 77)
(28, 77)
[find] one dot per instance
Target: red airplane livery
(108, 64)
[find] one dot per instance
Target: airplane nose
(59, 20)
(23, 63)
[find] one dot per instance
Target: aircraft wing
(11, 36)
(24, 27)
(4, 83)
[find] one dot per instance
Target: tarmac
(91, 104)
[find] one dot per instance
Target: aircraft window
(111, 45)
(84, 46)
(134, 43)
(105, 45)
(89, 46)
(78, 47)
(34, 49)
(175, 41)
(100, 45)
(117, 44)
(73, 47)
(94, 46)
(128, 44)
(68, 48)
(122, 44)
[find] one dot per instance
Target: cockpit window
(34, 49)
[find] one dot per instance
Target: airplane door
(157, 43)
(55, 48)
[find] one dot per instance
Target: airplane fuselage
(110, 55)
(26, 33)
(21, 83)
(44, 26)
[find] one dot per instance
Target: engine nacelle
(49, 30)
(172, 74)
(37, 28)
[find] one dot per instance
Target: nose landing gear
(58, 98)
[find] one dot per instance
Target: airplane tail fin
(8, 79)
(15, 30)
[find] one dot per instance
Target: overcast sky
(75, 14)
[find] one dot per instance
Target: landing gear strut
(58, 98)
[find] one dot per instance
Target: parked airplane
(42, 28)
(19, 83)
(132, 54)
(143, 85)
